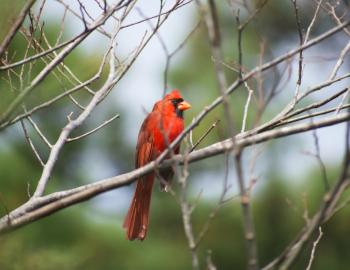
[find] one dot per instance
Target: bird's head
(174, 101)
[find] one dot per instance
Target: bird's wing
(145, 150)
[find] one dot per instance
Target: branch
(59, 97)
(16, 25)
(248, 223)
(312, 256)
(57, 60)
(250, 74)
(327, 208)
(49, 204)
(94, 130)
(73, 124)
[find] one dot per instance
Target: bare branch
(312, 256)
(57, 60)
(39, 207)
(73, 124)
(36, 153)
(250, 74)
(319, 160)
(37, 129)
(248, 223)
(312, 23)
(15, 26)
(93, 130)
(325, 210)
(205, 135)
(340, 61)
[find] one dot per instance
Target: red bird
(159, 129)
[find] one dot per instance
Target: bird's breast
(167, 132)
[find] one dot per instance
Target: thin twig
(56, 61)
(36, 153)
(186, 211)
(314, 245)
(206, 133)
(320, 161)
(301, 42)
(248, 224)
(40, 133)
(93, 130)
(15, 26)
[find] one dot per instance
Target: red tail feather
(136, 221)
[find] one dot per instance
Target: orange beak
(183, 106)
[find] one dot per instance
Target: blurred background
(90, 235)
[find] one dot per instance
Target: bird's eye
(176, 101)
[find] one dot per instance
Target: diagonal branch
(16, 25)
(40, 207)
(73, 124)
(57, 60)
(327, 208)
(249, 75)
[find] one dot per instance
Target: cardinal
(158, 130)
